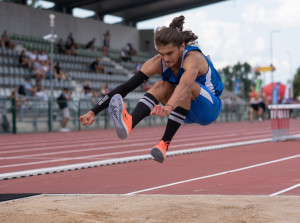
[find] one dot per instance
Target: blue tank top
(211, 79)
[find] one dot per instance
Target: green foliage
(296, 83)
(243, 71)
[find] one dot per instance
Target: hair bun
(177, 23)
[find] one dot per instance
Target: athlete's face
(170, 54)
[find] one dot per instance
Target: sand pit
(152, 208)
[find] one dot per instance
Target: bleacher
(36, 112)
(77, 67)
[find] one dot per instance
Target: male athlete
(188, 92)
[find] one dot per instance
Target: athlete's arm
(152, 66)
(191, 65)
(149, 68)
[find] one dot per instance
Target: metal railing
(31, 114)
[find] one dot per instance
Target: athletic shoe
(159, 152)
(64, 130)
(122, 120)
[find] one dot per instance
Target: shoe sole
(116, 110)
(157, 155)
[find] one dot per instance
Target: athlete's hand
(161, 111)
(88, 118)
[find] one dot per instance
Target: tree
(296, 83)
(231, 74)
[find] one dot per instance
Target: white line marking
(52, 160)
(52, 146)
(285, 190)
(198, 143)
(98, 163)
(214, 175)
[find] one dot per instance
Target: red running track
(199, 173)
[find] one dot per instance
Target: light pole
(271, 55)
(292, 76)
(51, 38)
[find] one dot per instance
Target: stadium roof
(132, 11)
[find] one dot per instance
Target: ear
(182, 47)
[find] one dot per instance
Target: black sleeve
(122, 89)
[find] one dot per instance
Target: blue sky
(240, 30)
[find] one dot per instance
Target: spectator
(43, 58)
(137, 68)
(60, 47)
(40, 91)
(124, 55)
(94, 98)
(6, 42)
(70, 46)
(33, 57)
(87, 89)
(18, 100)
(39, 69)
(70, 40)
(58, 73)
(262, 105)
(298, 98)
(104, 90)
(106, 42)
(254, 104)
(130, 50)
(62, 101)
(97, 67)
(28, 90)
(91, 45)
(24, 61)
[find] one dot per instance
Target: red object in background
(268, 91)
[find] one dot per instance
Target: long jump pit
(151, 208)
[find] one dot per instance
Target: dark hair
(174, 34)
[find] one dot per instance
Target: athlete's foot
(121, 119)
(159, 152)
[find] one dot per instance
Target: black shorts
(254, 106)
(262, 105)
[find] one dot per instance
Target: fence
(31, 114)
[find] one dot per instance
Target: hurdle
(280, 121)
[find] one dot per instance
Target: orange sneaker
(122, 120)
(159, 152)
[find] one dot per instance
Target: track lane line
(70, 167)
(101, 148)
(285, 190)
(53, 160)
(214, 175)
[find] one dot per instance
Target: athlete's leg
(175, 120)
(123, 121)
(178, 115)
(161, 91)
(251, 113)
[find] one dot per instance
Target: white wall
(24, 20)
